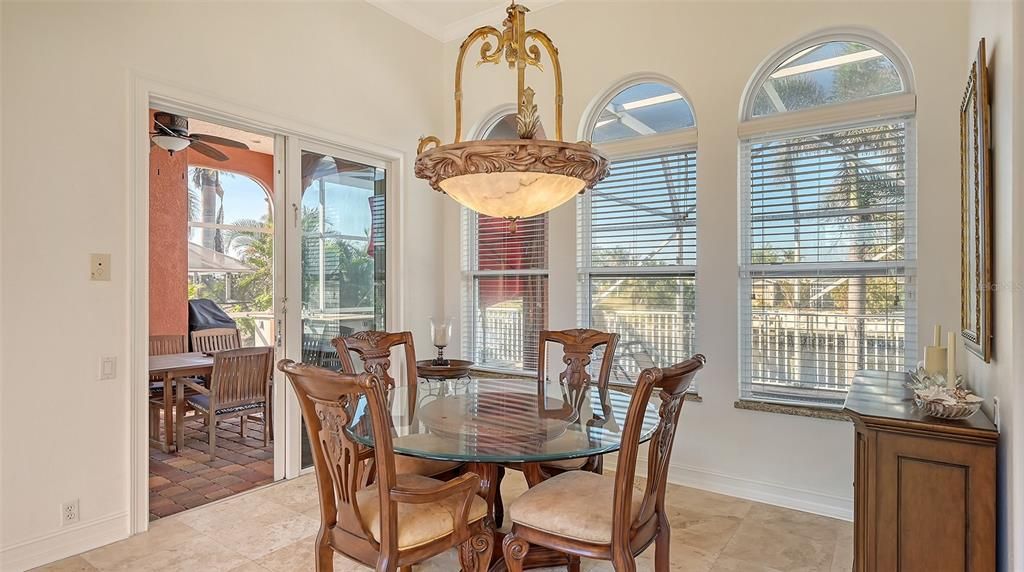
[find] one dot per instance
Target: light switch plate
(108, 368)
(99, 267)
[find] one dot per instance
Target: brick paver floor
(186, 479)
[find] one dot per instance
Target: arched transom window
(637, 229)
(828, 233)
(642, 109)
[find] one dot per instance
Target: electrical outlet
(99, 267)
(108, 367)
(995, 411)
(69, 512)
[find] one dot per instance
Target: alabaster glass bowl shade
(512, 194)
(514, 178)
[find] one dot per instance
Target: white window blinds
(827, 261)
(637, 260)
(506, 290)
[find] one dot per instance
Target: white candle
(951, 360)
(938, 335)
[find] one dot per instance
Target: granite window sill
(789, 409)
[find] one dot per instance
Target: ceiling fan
(170, 132)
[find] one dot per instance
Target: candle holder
(441, 333)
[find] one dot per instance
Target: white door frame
(294, 147)
(146, 92)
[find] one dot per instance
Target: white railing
(787, 348)
(647, 339)
(821, 350)
(501, 335)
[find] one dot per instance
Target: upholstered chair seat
(427, 467)
(418, 524)
(567, 464)
(576, 504)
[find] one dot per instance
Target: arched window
(505, 279)
(827, 243)
(643, 108)
(826, 73)
(230, 238)
(637, 229)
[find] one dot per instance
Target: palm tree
(211, 201)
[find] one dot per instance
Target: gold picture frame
(975, 209)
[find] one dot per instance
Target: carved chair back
(374, 349)
(578, 347)
(328, 400)
(672, 383)
(241, 377)
(167, 344)
(215, 340)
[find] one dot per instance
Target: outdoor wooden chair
(216, 340)
(239, 387)
(374, 349)
(398, 520)
(584, 514)
(161, 345)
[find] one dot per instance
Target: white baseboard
(760, 491)
(65, 542)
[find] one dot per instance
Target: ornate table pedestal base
(539, 556)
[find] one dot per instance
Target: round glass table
(493, 423)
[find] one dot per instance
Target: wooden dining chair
(239, 387)
(398, 520)
(160, 345)
(374, 349)
(578, 347)
(216, 340)
(584, 514)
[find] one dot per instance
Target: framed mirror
(975, 209)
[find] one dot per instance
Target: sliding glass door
(338, 253)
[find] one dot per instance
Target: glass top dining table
(503, 421)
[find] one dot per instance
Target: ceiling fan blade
(164, 129)
(213, 139)
(210, 152)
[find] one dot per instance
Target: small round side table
(456, 369)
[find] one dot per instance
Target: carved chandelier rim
(576, 160)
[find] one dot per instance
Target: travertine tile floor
(272, 528)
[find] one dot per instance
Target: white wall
(711, 50)
(1000, 23)
(345, 67)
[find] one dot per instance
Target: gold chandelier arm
(488, 54)
(425, 142)
(556, 68)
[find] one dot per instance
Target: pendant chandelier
(511, 178)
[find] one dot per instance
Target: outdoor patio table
(171, 366)
(493, 423)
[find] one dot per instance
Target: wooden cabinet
(924, 488)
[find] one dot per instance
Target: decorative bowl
(958, 410)
(946, 403)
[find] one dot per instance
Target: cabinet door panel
(936, 498)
